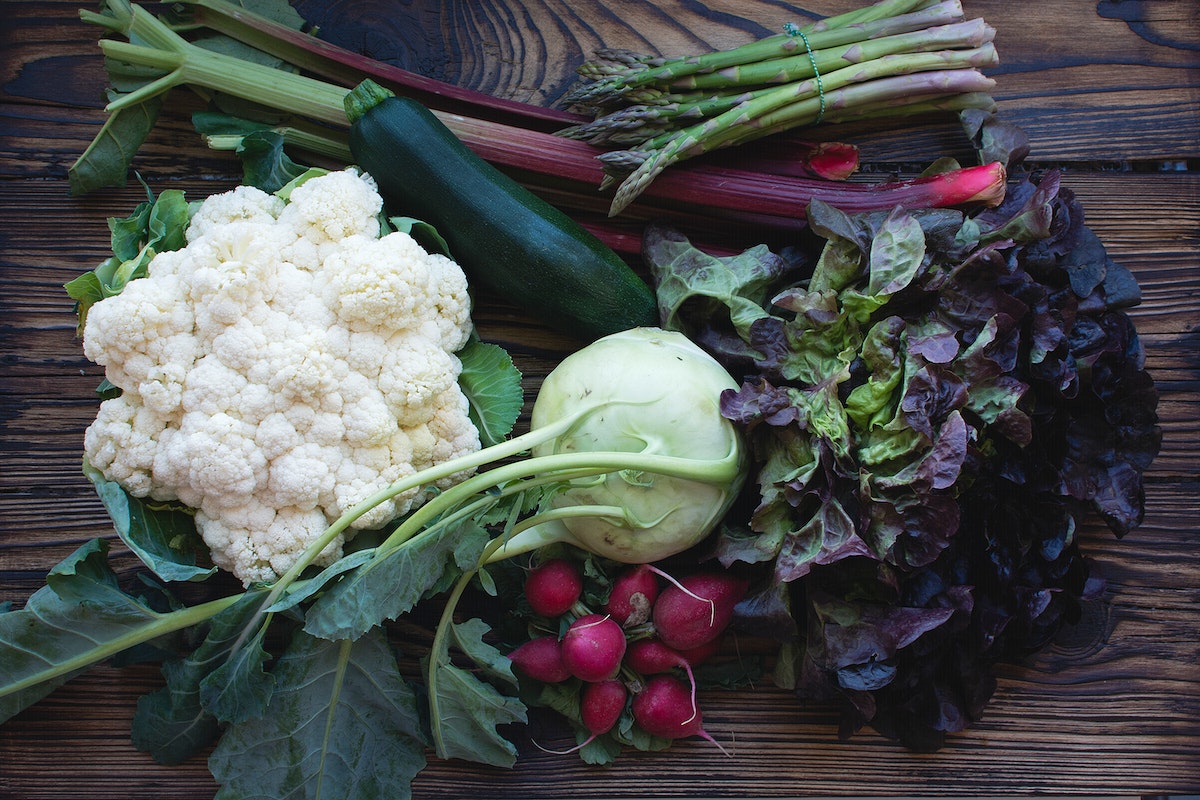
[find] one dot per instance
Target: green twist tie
(791, 29)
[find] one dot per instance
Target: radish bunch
(629, 663)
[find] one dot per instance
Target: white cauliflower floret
(395, 276)
(333, 208)
(258, 543)
(282, 367)
(123, 442)
(301, 477)
(149, 321)
(452, 318)
(451, 437)
(356, 482)
(215, 456)
(211, 387)
(234, 274)
(413, 375)
(245, 203)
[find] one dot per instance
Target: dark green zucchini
(507, 240)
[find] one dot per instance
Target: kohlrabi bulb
(654, 392)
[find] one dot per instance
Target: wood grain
(1107, 90)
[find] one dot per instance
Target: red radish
(697, 609)
(633, 593)
(592, 647)
(601, 704)
(553, 586)
(652, 657)
(702, 653)
(541, 659)
(663, 708)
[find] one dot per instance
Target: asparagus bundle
(894, 58)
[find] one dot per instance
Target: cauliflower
(284, 365)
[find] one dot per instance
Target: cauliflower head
(287, 363)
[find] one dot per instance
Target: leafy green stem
(439, 650)
(160, 625)
(191, 64)
(566, 465)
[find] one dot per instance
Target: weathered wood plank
(1139, 103)
(1110, 708)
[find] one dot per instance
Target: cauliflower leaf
(345, 712)
(492, 384)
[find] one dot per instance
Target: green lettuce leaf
(736, 286)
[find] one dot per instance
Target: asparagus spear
(639, 123)
(885, 18)
(945, 73)
(890, 59)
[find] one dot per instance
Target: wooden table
(1107, 89)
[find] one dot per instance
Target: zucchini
(507, 240)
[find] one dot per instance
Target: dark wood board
(1109, 91)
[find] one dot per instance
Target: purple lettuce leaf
(931, 423)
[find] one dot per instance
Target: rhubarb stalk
(544, 161)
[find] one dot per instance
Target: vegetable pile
(869, 439)
(628, 457)
(258, 108)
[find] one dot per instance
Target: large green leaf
(79, 618)
(467, 711)
(265, 165)
(221, 680)
(392, 583)
(164, 539)
(342, 725)
(106, 160)
(492, 385)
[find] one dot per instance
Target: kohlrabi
(650, 398)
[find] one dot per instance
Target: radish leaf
(342, 724)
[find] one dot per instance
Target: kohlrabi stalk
(629, 433)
